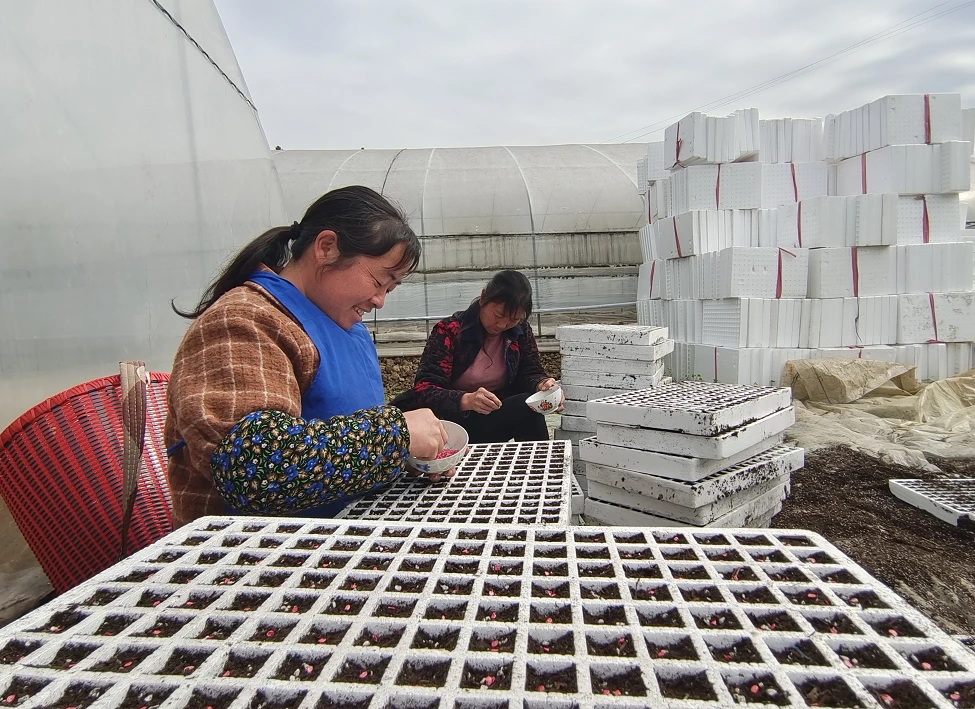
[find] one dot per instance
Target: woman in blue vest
(276, 401)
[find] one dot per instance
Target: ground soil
(843, 495)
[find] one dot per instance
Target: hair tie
(295, 231)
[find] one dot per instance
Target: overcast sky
(443, 73)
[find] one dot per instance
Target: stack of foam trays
(600, 361)
(690, 454)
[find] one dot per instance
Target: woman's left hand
(547, 384)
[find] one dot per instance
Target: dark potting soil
(400, 584)
(755, 595)
(103, 597)
(808, 597)
(502, 589)
(741, 651)
(706, 594)
(616, 647)
(724, 555)
(895, 627)
(461, 567)
(721, 620)
(318, 636)
(667, 619)
(494, 678)
(802, 653)
(21, 689)
(548, 615)
(369, 638)
(550, 552)
(301, 669)
(932, 659)
(841, 576)
(345, 606)
(467, 534)
(834, 625)
(776, 622)
(593, 553)
(219, 629)
(184, 662)
(446, 612)
(248, 601)
(759, 690)
(442, 640)
(683, 649)
(687, 687)
(505, 613)
(609, 591)
(151, 599)
(199, 700)
(844, 496)
(827, 693)
(901, 694)
(961, 694)
(363, 672)
(199, 601)
(78, 696)
(335, 561)
(741, 573)
(550, 569)
(360, 583)
(642, 553)
(499, 568)
(559, 591)
(61, 621)
(613, 615)
(124, 660)
(17, 650)
(115, 624)
(467, 549)
(399, 609)
(243, 665)
(417, 674)
(689, 572)
(596, 571)
(500, 643)
(627, 684)
(509, 550)
(272, 633)
(562, 645)
(790, 573)
(547, 681)
(145, 698)
(866, 656)
(386, 547)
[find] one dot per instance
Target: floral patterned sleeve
(273, 463)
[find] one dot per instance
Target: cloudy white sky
(442, 73)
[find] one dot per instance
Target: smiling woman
(276, 397)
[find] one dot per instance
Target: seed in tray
(425, 548)
(356, 583)
(437, 611)
(741, 651)
(17, 650)
(298, 668)
(628, 683)
(839, 576)
(755, 595)
(393, 609)
(895, 627)
(228, 578)
(316, 581)
(237, 541)
(386, 547)
(124, 660)
(865, 656)
(373, 638)
(802, 653)
(331, 635)
(820, 557)
(689, 686)
(248, 601)
(151, 599)
(199, 601)
(621, 646)
(453, 587)
(808, 597)
(961, 694)
(502, 589)
(558, 591)
(612, 615)
(739, 573)
(195, 541)
(344, 606)
(901, 694)
(835, 624)
(774, 622)
(550, 614)
(167, 557)
(374, 563)
(669, 538)
(509, 550)
(272, 633)
(863, 599)
(362, 671)
(633, 553)
(308, 543)
(721, 620)
(758, 690)
(494, 677)
(253, 527)
(503, 613)
(682, 649)
(436, 639)
(931, 659)
(184, 662)
(506, 568)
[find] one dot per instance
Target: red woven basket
(61, 476)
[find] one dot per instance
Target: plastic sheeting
(492, 190)
(879, 409)
(132, 169)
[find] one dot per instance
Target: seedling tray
(951, 500)
(257, 613)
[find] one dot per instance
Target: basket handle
(135, 386)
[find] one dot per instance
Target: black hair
(366, 224)
(512, 289)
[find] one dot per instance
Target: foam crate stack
(689, 453)
(854, 242)
(238, 613)
(528, 482)
(601, 360)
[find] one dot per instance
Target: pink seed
(156, 631)
(661, 653)
(11, 698)
(541, 688)
(848, 662)
(955, 696)
(226, 674)
(892, 632)
(490, 592)
(363, 674)
(493, 615)
(321, 640)
(188, 669)
(156, 603)
(925, 665)
(548, 620)
(834, 631)
(606, 691)
(494, 643)
(294, 609)
(887, 699)
(488, 681)
(810, 595)
(269, 634)
(128, 664)
(755, 689)
(617, 692)
(348, 607)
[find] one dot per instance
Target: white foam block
(613, 379)
(611, 334)
(580, 364)
(935, 317)
(720, 446)
(642, 353)
(675, 467)
(578, 423)
(585, 393)
(849, 272)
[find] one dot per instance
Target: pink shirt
(488, 369)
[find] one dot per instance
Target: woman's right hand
(427, 435)
(481, 401)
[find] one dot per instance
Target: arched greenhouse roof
(495, 190)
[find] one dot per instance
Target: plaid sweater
(235, 399)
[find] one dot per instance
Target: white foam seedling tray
(642, 335)
(642, 353)
(636, 367)
(721, 446)
(517, 482)
(578, 497)
(756, 512)
(238, 613)
(725, 512)
(699, 408)
(578, 423)
(676, 467)
(699, 502)
(950, 500)
(607, 379)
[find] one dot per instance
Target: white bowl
(456, 440)
(545, 402)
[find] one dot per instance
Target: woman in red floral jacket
(481, 364)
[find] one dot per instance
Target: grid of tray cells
(503, 483)
(259, 613)
(954, 495)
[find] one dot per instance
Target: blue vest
(348, 378)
